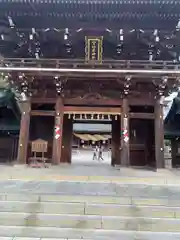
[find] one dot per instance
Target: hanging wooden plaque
(93, 49)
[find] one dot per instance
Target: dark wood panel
(142, 115)
(98, 102)
(94, 102)
(8, 149)
(43, 100)
(42, 113)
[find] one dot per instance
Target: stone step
(88, 234)
(90, 222)
(91, 189)
(85, 208)
(125, 237)
(140, 201)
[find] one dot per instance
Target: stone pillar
(125, 154)
(167, 157)
(159, 134)
(58, 131)
(115, 143)
(24, 132)
(174, 151)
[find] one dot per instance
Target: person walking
(95, 153)
(100, 152)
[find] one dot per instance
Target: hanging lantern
(109, 117)
(93, 142)
(92, 116)
(115, 117)
(85, 116)
(104, 142)
(80, 116)
(98, 116)
(82, 141)
(74, 116)
(102, 116)
(69, 116)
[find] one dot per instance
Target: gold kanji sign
(93, 49)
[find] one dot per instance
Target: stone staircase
(86, 210)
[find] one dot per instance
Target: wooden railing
(80, 63)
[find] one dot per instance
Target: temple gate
(63, 63)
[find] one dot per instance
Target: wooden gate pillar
(125, 154)
(159, 134)
(24, 132)
(115, 143)
(67, 139)
(58, 131)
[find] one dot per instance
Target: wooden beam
(139, 102)
(80, 101)
(42, 113)
(43, 100)
(142, 115)
(94, 102)
(92, 121)
(81, 76)
(89, 110)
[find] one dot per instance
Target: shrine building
(68, 62)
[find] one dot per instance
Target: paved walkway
(83, 168)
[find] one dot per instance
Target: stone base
(168, 163)
(162, 170)
(20, 166)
